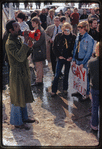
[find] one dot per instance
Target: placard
(79, 79)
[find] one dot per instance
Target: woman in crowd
(69, 12)
(23, 25)
(50, 17)
(93, 69)
(83, 49)
(63, 47)
(67, 17)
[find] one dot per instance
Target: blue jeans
(18, 114)
(95, 106)
(59, 66)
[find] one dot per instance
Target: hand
(51, 41)
(69, 59)
(81, 66)
(74, 64)
(30, 43)
(26, 38)
(61, 57)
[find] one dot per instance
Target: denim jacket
(86, 48)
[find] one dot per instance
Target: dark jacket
(20, 90)
(84, 16)
(93, 70)
(95, 34)
(39, 48)
(43, 19)
(59, 47)
(30, 25)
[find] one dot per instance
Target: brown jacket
(49, 34)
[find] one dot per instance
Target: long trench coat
(20, 90)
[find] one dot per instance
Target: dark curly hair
(21, 15)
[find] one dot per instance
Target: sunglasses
(80, 27)
(66, 13)
(67, 30)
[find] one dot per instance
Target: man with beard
(20, 91)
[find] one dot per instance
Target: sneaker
(85, 97)
(94, 127)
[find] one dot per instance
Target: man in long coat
(20, 91)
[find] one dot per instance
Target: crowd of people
(63, 39)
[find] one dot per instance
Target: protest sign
(79, 79)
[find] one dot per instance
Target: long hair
(85, 25)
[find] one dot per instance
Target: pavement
(62, 120)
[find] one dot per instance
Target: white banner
(79, 79)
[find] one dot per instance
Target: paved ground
(61, 120)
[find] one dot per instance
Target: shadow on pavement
(26, 137)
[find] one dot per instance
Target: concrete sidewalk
(61, 121)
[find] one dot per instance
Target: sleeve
(40, 41)
(47, 34)
(19, 54)
(74, 51)
(56, 46)
(89, 51)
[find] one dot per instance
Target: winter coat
(20, 91)
(59, 47)
(39, 48)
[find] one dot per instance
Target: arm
(56, 46)
(47, 34)
(19, 54)
(40, 41)
(89, 51)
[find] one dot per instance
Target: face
(16, 28)
(57, 22)
(34, 24)
(66, 14)
(19, 20)
(68, 11)
(94, 24)
(92, 11)
(75, 11)
(81, 30)
(84, 11)
(66, 31)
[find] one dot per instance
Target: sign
(79, 79)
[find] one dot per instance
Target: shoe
(76, 94)
(53, 94)
(85, 97)
(38, 83)
(24, 126)
(29, 121)
(95, 128)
